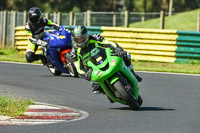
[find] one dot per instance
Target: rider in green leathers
(83, 43)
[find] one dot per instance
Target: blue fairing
(57, 40)
(54, 57)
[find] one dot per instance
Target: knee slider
(128, 56)
(30, 57)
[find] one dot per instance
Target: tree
(165, 5)
(99, 5)
(3, 4)
(128, 5)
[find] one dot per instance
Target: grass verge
(13, 106)
(11, 54)
(181, 21)
(167, 67)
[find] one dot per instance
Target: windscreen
(98, 55)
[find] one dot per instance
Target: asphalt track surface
(171, 102)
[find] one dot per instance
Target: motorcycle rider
(35, 30)
(83, 43)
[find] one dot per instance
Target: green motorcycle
(117, 81)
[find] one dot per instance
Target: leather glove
(120, 52)
(87, 75)
(68, 30)
(56, 27)
(98, 37)
(72, 55)
(41, 43)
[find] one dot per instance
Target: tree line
(100, 5)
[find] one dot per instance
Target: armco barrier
(143, 44)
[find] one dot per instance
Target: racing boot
(43, 59)
(96, 88)
(137, 76)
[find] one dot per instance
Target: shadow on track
(57, 76)
(146, 109)
(155, 109)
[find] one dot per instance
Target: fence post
(126, 19)
(55, 17)
(85, 18)
(74, 18)
(4, 29)
(198, 21)
(162, 19)
(14, 18)
(59, 18)
(114, 19)
(71, 18)
(88, 18)
(170, 7)
(47, 15)
(25, 17)
(142, 18)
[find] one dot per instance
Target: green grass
(11, 54)
(167, 67)
(181, 21)
(13, 106)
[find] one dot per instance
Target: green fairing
(115, 64)
(114, 79)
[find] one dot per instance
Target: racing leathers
(35, 34)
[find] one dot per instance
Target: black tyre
(54, 71)
(140, 101)
(70, 66)
(126, 96)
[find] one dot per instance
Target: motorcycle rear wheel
(126, 96)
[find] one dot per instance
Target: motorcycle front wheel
(70, 66)
(140, 101)
(126, 95)
(54, 71)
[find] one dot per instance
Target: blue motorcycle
(57, 52)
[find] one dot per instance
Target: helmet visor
(80, 40)
(34, 19)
